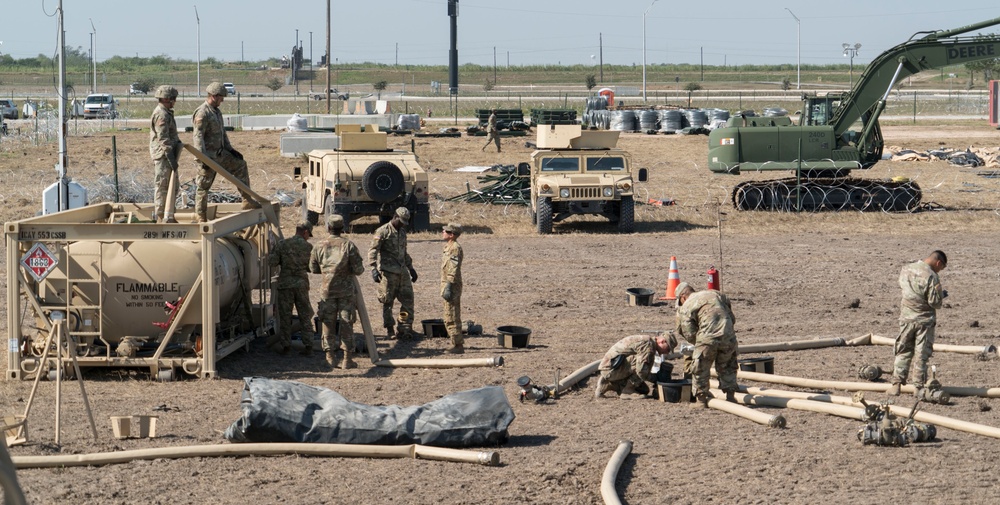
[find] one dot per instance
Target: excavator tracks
(835, 194)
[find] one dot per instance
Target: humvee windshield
(560, 165)
(605, 164)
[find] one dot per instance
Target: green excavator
(823, 148)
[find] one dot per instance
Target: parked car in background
(136, 89)
(230, 88)
(334, 95)
(7, 109)
(100, 105)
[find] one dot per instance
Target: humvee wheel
(626, 215)
(383, 181)
(308, 215)
(544, 215)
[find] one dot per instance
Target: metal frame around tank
(91, 223)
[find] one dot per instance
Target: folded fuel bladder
(287, 411)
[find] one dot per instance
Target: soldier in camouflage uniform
(390, 263)
(492, 134)
(164, 148)
(922, 296)
(292, 288)
(626, 366)
(210, 138)
(705, 319)
(451, 286)
(339, 261)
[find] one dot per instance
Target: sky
(514, 32)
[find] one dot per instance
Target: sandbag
(287, 411)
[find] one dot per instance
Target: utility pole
(328, 57)
(95, 52)
(310, 61)
(600, 44)
(494, 65)
(798, 49)
(198, 20)
(397, 54)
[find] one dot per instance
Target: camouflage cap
(335, 222)
(167, 92)
(453, 228)
(403, 214)
(681, 288)
(304, 225)
(216, 88)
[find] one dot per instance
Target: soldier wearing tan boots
(626, 366)
(339, 261)
(164, 148)
(922, 296)
(210, 138)
(451, 286)
(705, 319)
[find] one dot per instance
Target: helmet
(166, 92)
(216, 88)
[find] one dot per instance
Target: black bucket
(763, 364)
(639, 297)
(670, 390)
(665, 371)
(434, 328)
(513, 336)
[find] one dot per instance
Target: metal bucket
(434, 328)
(675, 391)
(513, 336)
(763, 364)
(639, 296)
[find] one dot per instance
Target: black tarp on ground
(286, 411)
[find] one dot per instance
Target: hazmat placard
(39, 261)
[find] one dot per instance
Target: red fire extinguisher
(714, 279)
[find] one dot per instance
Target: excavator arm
(822, 149)
(867, 99)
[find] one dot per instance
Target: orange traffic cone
(673, 279)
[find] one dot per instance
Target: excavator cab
(817, 110)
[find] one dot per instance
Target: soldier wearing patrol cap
(390, 263)
(291, 255)
(705, 319)
(210, 138)
(451, 285)
(164, 148)
(338, 260)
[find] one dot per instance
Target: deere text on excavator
(823, 148)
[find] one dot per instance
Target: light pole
(798, 49)
(644, 49)
(850, 52)
(95, 53)
(198, 20)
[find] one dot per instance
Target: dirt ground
(790, 277)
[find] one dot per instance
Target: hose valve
(532, 392)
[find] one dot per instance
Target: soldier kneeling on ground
(626, 366)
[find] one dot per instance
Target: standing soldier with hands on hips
(451, 286)
(922, 296)
(210, 138)
(165, 148)
(292, 256)
(393, 270)
(339, 261)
